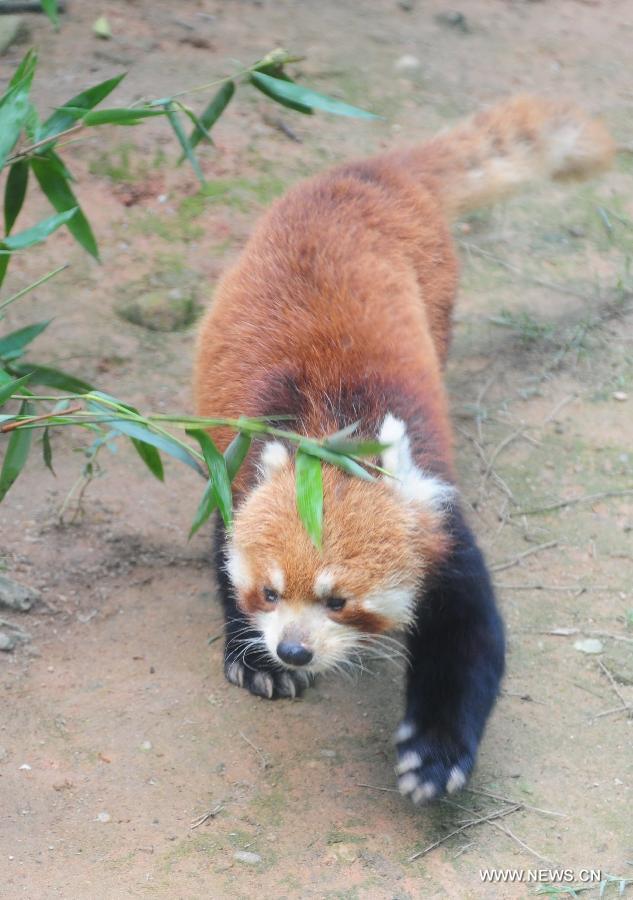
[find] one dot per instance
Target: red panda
(339, 309)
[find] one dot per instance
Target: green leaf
(263, 83)
(309, 494)
(336, 459)
(212, 112)
(37, 233)
(116, 116)
(183, 140)
(369, 447)
(13, 344)
(141, 432)
(14, 105)
(151, 458)
(61, 196)
(53, 378)
(236, 453)
(10, 386)
(218, 473)
(47, 451)
(16, 453)
(63, 118)
(294, 95)
(51, 10)
(206, 506)
(14, 193)
(4, 264)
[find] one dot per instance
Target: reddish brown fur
(346, 290)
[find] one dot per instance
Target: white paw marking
(404, 732)
(263, 684)
(235, 674)
(456, 780)
(408, 783)
(287, 686)
(423, 793)
(410, 760)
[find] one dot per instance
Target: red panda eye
(271, 596)
(336, 604)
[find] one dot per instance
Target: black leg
(456, 664)
(246, 660)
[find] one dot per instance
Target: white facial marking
(237, 569)
(394, 603)
(412, 482)
(274, 457)
(276, 578)
(324, 583)
(330, 641)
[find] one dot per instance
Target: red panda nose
(294, 654)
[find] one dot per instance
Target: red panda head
(380, 538)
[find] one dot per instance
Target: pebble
(246, 857)
(146, 745)
(7, 641)
(620, 395)
(406, 63)
(103, 817)
(25, 767)
(589, 645)
(17, 596)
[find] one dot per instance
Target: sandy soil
(117, 727)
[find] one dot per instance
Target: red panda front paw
(430, 765)
(267, 682)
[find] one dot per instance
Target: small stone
(406, 63)
(103, 817)
(348, 853)
(25, 767)
(7, 641)
(16, 596)
(589, 645)
(620, 395)
(454, 19)
(160, 310)
(146, 745)
(246, 857)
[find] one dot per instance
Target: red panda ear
(274, 457)
(410, 481)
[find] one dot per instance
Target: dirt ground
(117, 728)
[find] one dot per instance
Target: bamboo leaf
(212, 113)
(304, 99)
(336, 459)
(59, 193)
(115, 116)
(236, 453)
(47, 452)
(13, 344)
(51, 10)
(14, 105)
(368, 447)
(206, 506)
(54, 378)
(183, 140)
(16, 453)
(151, 458)
(218, 473)
(10, 386)
(37, 233)
(63, 117)
(14, 193)
(309, 495)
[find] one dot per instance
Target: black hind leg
(457, 661)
